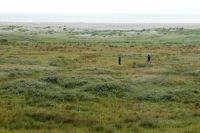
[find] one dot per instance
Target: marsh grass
(55, 80)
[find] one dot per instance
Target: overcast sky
(179, 9)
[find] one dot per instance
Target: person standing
(119, 60)
(148, 58)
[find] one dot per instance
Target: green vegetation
(69, 80)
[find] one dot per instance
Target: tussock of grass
(26, 86)
(104, 128)
(67, 82)
(57, 62)
(18, 72)
(59, 118)
(178, 95)
(149, 123)
(108, 89)
(95, 70)
(140, 65)
(15, 60)
(131, 119)
(60, 61)
(41, 91)
(193, 73)
(162, 82)
(34, 119)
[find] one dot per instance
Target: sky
(101, 10)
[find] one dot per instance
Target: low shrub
(178, 95)
(41, 91)
(108, 89)
(67, 82)
(29, 87)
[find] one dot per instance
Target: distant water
(100, 18)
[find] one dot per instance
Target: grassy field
(61, 79)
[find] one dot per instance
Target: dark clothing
(119, 60)
(148, 58)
